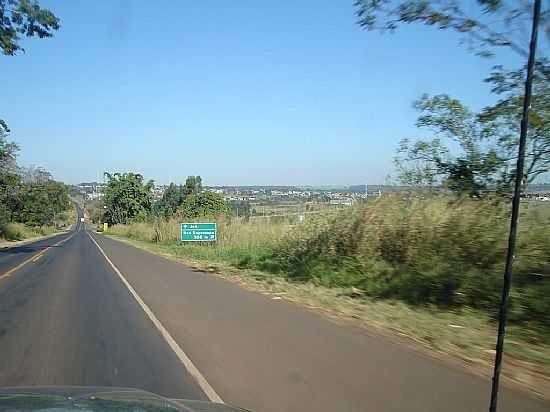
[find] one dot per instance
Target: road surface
(68, 318)
(65, 319)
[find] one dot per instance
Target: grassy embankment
(428, 269)
(13, 232)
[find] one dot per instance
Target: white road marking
(187, 363)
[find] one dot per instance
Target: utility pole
(504, 303)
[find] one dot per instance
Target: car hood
(98, 399)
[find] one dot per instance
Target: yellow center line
(33, 258)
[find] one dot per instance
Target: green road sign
(199, 232)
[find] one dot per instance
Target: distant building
(158, 191)
(94, 195)
(92, 190)
(344, 202)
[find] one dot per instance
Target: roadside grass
(231, 232)
(19, 231)
(13, 232)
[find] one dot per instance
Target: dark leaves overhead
(23, 18)
(494, 23)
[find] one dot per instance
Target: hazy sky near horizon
(245, 92)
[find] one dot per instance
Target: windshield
(275, 205)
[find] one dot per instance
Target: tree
(39, 204)
(505, 117)
(205, 204)
(8, 150)
(485, 24)
(127, 198)
(9, 180)
(429, 162)
(30, 195)
(171, 199)
(193, 184)
(488, 140)
(174, 196)
(9, 199)
(23, 17)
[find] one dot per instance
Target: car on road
(98, 399)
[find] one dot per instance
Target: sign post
(199, 232)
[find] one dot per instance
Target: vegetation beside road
(32, 204)
(128, 199)
(13, 232)
(430, 268)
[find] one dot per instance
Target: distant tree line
(27, 195)
(128, 198)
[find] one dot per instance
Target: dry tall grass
(231, 232)
(19, 231)
(436, 250)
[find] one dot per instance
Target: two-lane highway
(83, 309)
(66, 319)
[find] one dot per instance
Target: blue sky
(243, 92)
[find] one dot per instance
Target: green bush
(19, 231)
(14, 231)
(205, 204)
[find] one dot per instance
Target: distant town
(271, 194)
(345, 195)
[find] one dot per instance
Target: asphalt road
(67, 318)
